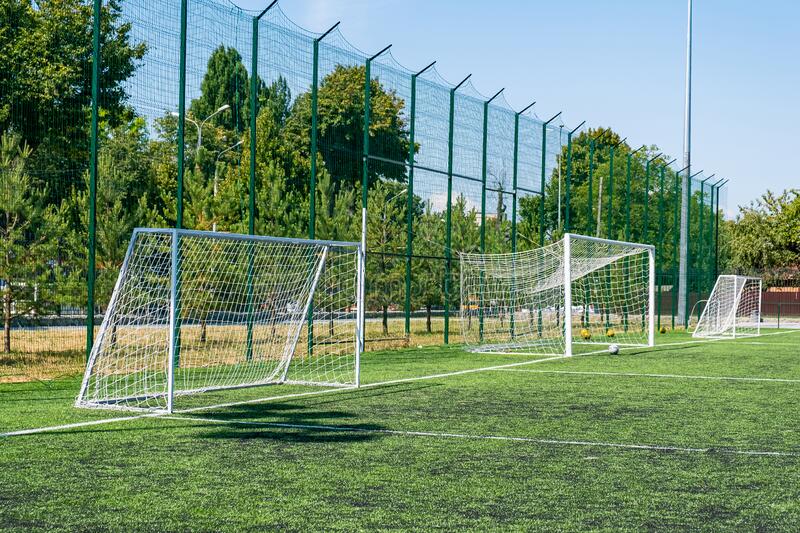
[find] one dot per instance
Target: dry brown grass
(18, 367)
(46, 354)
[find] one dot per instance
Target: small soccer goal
(577, 295)
(194, 311)
(733, 309)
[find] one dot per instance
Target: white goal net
(733, 309)
(572, 295)
(198, 311)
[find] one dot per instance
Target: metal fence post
(365, 164)
(544, 172)
(676, 233)
(92, 237)
(251, 221)
(448, 240)
(589, 200)
(176, 329)
(412, 150)
(484, 174)
(660, 249)
(312, 199)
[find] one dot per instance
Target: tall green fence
(213, 118)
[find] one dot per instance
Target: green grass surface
(413, 454)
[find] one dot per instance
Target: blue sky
(612, 63)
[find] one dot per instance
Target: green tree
(29, 234)
(281, 204)
(225, 83)
(385, 239)
(124, 201)
(428, 273)
(765, 234)
(46, 48)
(341, 129)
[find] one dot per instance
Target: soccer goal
(194, 311)
(569, 297)
(733, 309)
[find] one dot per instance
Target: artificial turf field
(688, 435)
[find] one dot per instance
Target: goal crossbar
(580, 290)
(733, 309)
(194, 311)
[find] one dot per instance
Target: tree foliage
(766, 233)
(29, 234)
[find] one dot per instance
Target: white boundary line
(269, 399)
(665, 376)
(348, 429)
(795, 344)
(75, 425)
(332, 391)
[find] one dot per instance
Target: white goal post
(197, 311)
(733, 309)
(569, 297)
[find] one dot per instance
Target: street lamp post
(199, 125)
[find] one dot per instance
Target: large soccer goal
(733, 309)
(197, 311)
(569, 297)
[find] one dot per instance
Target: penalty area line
(464, 436)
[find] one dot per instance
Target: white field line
(333, 391)
(555, 442)
(664, 376)
(76, 425)
(372, 385)
(269, 399)
(755, 343)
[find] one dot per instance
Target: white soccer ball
(613, 349)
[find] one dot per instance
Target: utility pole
(687, 162)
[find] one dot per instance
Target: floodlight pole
(448, 253)
(628, 194)
(683, 294)
(544, 172)
(312, 199)
(412, 151)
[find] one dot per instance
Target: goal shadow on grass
(299, 422)
(662, 348)
(293, 423)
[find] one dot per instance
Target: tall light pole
(687, 162)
